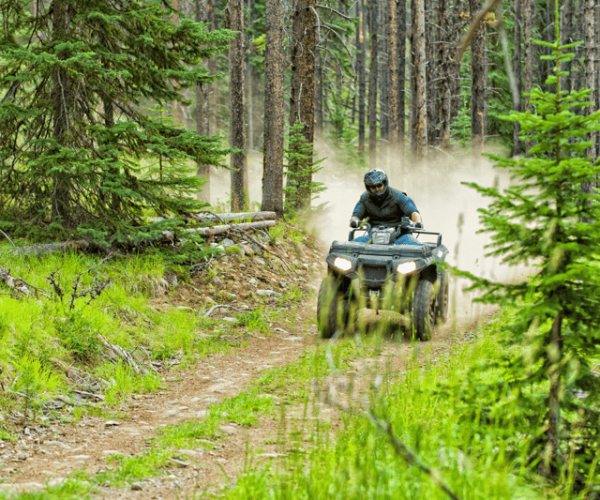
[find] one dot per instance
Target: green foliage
(300, 189)
(425, 414)
(78, 153)
(540, 220)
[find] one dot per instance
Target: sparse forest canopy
(107, 106)
(85, 142)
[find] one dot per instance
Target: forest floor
(49, 449)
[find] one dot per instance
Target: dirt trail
(48, 452)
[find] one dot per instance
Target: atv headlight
(407, 267)
(342, 264)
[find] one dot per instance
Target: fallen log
(214, 230)
(16, 284)
(63, 246)
(234, 217)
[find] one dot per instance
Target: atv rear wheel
(424, 310)
(443, 297)
(332, 308)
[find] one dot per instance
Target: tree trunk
(431, 75)
(62, 96)
(213, 126)
(566, 37)
(272, 186)
(361, 78)
(597, 86)
(383, 81)
(528, 53)
(202, 106)
(554, 397)
(401, 75)
(455, 85)
(237, 108)
(445, 56)
(479, 82)
(318, 97)
(176, 108)
(393, 83)
(547, 29)
(420, 62)
(373, 85)
(302, 100)
(518, 75)
(590, 74)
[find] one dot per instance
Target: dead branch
(224, 306)
(475, 26)
(69, 371)
(398, 445)
(329, 398)
(8, 238)
(117, 352)
(18, 284)
(89, 395)
(92, 291)
(401, 449)
(214, 308)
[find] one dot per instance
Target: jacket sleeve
(406, 204)
(360, 210)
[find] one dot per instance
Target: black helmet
(374, 177)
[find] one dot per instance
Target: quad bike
(381, 275)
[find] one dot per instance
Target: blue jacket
(391, 209)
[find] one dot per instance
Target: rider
(383, 204)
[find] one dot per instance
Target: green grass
(476, 458)
(268, 397)
(36, 331)
(73, 488)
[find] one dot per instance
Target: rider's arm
(359, 211)
(416, 217)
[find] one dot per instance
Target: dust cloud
(437, 190)
(446, 205)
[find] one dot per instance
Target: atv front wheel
(332, 309)
(442, 297)
(424, 310)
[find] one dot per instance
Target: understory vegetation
(457, 419)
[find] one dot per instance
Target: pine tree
(540, 220)
(81, 147)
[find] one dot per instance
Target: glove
(354, 223)
(419, 225)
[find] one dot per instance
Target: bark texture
(373, 84)
(202, 106)
(62, 97)
(237, 108)
(362, 90)
(517, 55)
(444, 56)
(479, 82)
(302, 100)
(272, 186)
(420, 61)
(401, 74)
(528, 56)
(384, 127)
(590, 72)
(393, 83)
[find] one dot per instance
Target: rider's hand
(354, 223)
(419, 225)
